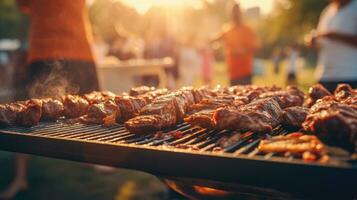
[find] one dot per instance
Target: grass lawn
(305, 76)
(57, 179)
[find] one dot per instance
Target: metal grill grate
(183, 151)
(182, 137)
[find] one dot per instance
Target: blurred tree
(290, 21)
(108, 16)
(13, 24)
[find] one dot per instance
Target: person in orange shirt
(240, 45)
(60, 60)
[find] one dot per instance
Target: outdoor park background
(285, 24)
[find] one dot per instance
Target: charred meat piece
(333, 122)
(136, 91)
(155, 93)
(345, 94)
(30, 113)
(97, 113)
(295, 116)
(52, 109)
(203, 112)
(261, 115)
(292, 96)
(309, 147)
(315, 93)
(203, 118)
(129, 106)
(74, 106)
(9, 112)
(153, 117)
(97, 97)
(181, 100)
(251, 91)
(201, 93)
(165, 111)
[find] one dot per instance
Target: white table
(120, 77)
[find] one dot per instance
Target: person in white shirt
(336, 40)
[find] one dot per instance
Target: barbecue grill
(187, 153)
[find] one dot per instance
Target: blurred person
(158, 45)
(122, 45)
(292, 56)
(336, 41)
(59, 53)
(240, 45)
(277, 57)
(207, 60)
(100, 48)
(189, 62)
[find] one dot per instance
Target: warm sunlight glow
(264, 5)
(143, 5)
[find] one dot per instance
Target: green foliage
(13, 24)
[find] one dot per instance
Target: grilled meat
(203, 118)
(8, 113)
(252, 91)
(153, 117)
(333, 122)
(136, 91)
(101, 113)
(345, 94)
(260, 115)
(309, 147)
(74, 106)
(201, 93)
(292, 96)
(294, 116)
(203, 112)
(165, 111)
(315, 93)
(97, 97)
(29, 113)
(52, 109)
(129, 106)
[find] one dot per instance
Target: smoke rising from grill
(53, 84)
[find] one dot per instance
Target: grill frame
(284, 174)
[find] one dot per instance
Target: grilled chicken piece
(333, 122)
(101, 113)
(98, 97)
(295, 116)
(30, 112)
(74, 106)
(136, 91)
(292, 96)
(309, 147)
(261, 115)
(52, 109)
(315, 93)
